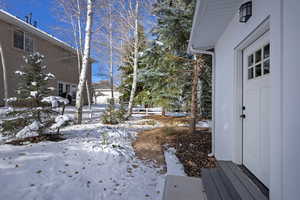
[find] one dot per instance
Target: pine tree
(162, 87)
(31, 91)
(168, 66)
(169, 58)
(127, 67)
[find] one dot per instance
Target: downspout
(194, 51)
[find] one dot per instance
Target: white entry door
(256, 98)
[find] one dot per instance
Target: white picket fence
(147, 111)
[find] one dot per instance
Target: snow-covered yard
(96, 161)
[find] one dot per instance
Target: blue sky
(42, 11)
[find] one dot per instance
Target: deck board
(251, 187)
(228, 182)
(237, 183)
(209, 185)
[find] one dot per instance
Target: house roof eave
(210, 21)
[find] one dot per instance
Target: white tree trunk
(80, 56)
(4, 75)
(111, 55)
(135, 61)
(85, 61)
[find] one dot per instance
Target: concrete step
(183, 188)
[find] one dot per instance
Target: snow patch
(55, 100)
(29, 131)
(61, 120)
(33, 93)
(20, 73)
(174, 166)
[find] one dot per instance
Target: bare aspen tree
(80, 53)
(135, 60)
(85, 61)
(129, 19)
(111, 52)
(106, 41)
(4, 75)
(73, 13)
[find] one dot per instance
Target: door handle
(243, 116)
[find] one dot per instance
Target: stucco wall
(60, 62)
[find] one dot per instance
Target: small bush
(9, 127)
(113, 116)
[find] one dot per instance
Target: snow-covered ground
(95, 162)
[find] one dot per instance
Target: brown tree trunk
(194, 102)
(163, 112)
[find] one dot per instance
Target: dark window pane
(74, 88)
(258, 56)
(60, 89)
(19, 39)
(250, 60)
(267, 67)
(250, 73)
(28, 44)
(67, 88)
(258, 71)
(267, 51)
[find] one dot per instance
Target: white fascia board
(210, 21)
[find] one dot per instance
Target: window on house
(60, 89)
(28, 44)
(23, 41)
(74, 89)
(67, 88)
(19, 39)
(261, 66)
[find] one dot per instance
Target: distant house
(19, 38)
(255, 50)
(102, 92)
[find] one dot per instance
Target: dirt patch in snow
(191, 149)
(149, 144)
(37, 139)
(174, 121)
(169, 120)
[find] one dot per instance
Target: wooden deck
(228, 182)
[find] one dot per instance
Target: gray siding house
(19, 38)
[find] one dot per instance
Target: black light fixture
(245, 11)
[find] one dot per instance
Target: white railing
(147, 111)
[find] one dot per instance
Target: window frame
(261, 62)
(13, 39)
(25, 36)
(73, 88)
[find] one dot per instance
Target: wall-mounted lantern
(245, 11)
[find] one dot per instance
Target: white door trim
(260, 30)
